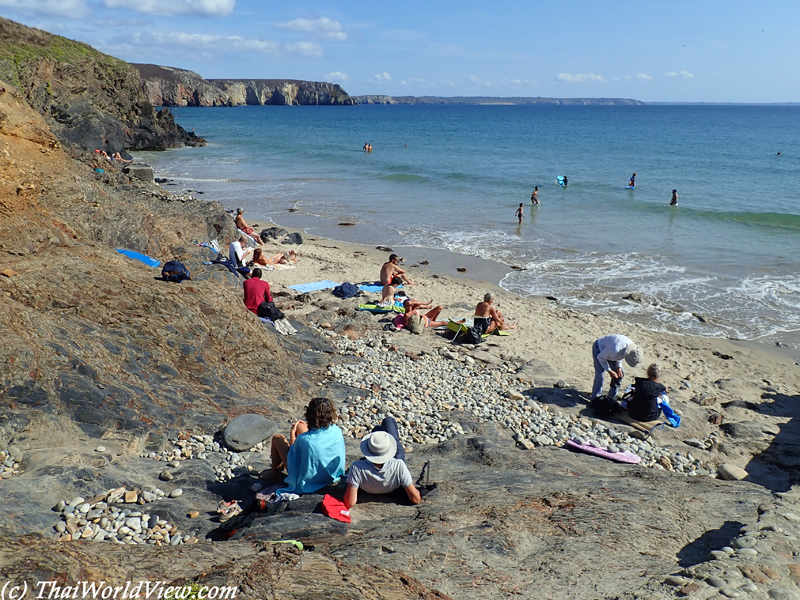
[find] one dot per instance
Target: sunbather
(390, 270)
(487, 318)
(383, 468)
(313, 456)
(428, 319)
(243, 226)
(259, 258)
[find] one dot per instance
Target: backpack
(346, 290)
(415, 324)
(471, 336)
(604, 407)
(268, 310)
(175, 271)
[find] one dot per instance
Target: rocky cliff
(89, 99)
(168, 86)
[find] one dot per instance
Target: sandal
(228, 510)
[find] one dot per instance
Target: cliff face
(89, 99)
(167, 86)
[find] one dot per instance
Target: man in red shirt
(255, 291)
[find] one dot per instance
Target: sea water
(724, 262)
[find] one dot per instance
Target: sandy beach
(722, 374)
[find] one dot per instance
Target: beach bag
(472, 336)
(346, 290)
(268, 310)
(175, 271)
(604, 407)
(415, 324)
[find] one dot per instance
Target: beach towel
(625, 457)
(374, 308)
(143, 258)
(373, 288)
(314, 286)
(335, 509)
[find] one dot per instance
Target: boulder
(246, 430)
(140, 171)
(272, 233)
(293, 238)
(731, 472)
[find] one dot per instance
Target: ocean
(723, 263)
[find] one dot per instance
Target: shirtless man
(493, 318)
(242, 224)
(535, 195)
(390, 270)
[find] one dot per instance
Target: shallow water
(452, 177)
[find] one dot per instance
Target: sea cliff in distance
(169, 86)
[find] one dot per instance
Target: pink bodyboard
(626, 457)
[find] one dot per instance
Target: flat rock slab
(247, 430)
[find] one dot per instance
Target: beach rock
(293, 238)
(247, 430)
(731, 472)
(140, 171)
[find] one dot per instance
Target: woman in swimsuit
(428, 319)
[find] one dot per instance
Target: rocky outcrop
(90, 100)
(168, 86)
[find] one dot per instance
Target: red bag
(335, 509)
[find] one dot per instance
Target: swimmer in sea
(535, 195)
(566, 181)
(632, 182)
(519, 214)
(674, 201)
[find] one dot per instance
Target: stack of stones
(205, 447)
(101, 518)
(10, 459)
(422, 394)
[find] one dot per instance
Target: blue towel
(313, 287)
(316, 459)
(671, 416)
(368, 287)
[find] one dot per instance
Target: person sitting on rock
(647, 395)
(239, 253)
(383, 468)
(390, 270)
(313, 456)
(487, 318)
(256, 291)
(118, 158)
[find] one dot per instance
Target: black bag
(175, 271)
(346, 290)
(471, 336)
(268, 310)
(604, 407)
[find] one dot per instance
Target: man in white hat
(608, 353)
(383, 468)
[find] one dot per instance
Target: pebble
(176, 493)
(100, 449)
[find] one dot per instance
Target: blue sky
(652, 50)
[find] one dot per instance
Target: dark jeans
(389, 425)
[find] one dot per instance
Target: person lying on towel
(383, 468)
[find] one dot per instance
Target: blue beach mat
(150, 262)
(314, 286)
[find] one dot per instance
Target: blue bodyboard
(560, 180)
(150, 262)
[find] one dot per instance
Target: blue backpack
(346, 290)
(175, 271)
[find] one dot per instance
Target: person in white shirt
(607, 353)
(238, 252)
(383, 468)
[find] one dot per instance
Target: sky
(650, 50)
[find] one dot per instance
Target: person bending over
(390, 270)
(487, 318)
(383, 468)
(607, 355)
(313, 456)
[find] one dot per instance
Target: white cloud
(382, 77)
(519, 82)
(639, 76)
(682, 74)
(579, 78)
(336, 76)
(322, 27)
(74, 9)
(412, 81)
(473, 80)
(146, 45)
(169, 8)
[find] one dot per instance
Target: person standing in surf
(674, 201)
(535, 195)
(632, 182)
(519, 214)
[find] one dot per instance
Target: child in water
(535, 195)
(519, 214)
(674, 201)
